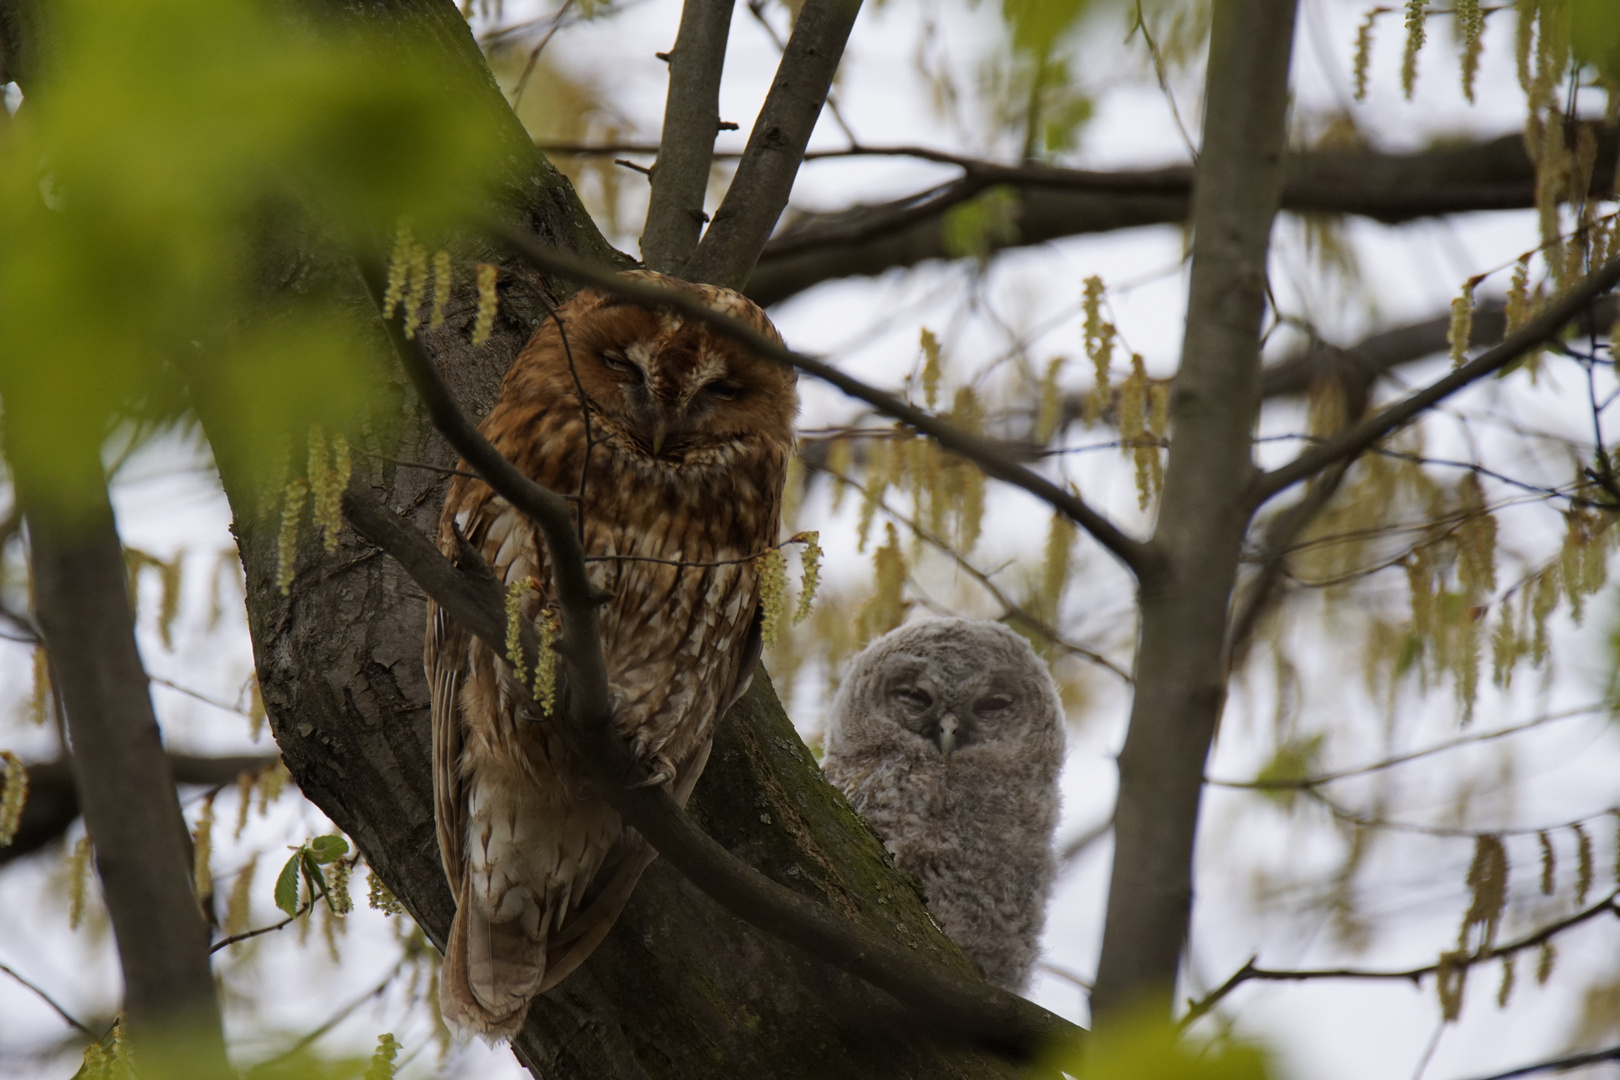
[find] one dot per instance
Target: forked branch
(994, 460)
(949, 1000)
(770, 162)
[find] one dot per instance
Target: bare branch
(47, 999)
(991, 458)
(759, 191)
(1352, 442)
(680, 178)
(1590, 1057)
(949, 999)
(1250, 973)
(1055, 202)
(248, 934)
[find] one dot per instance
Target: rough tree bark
(1204, 513)
(679, 989)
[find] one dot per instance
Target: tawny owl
(677, 485)
(946, 736)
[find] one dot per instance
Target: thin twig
(1249, 972)
(1573, 1061)
(1359, 437)
(1307, 782)
(246, 934)
(47, 999)
(993, 460)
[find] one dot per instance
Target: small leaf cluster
(307, 866)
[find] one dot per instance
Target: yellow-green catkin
(441, 287)
(1517, 309)
(1487, 881)
(549, 627)
(12, 797)
(416, 283)
(1362, 62)
(202, 851)
(931, 367)
(968, 482)
(772, 571)
(1056, 566)
(1584, 868)
(1470, 23)
(292, 512)
(1415, 34)
(256, 711)
(272, 782)
(1099, 344)
(810, 566)
(1133, 393)
(1523, 38)
(239, 905)
(840, 457)
(515, 593)
(1552, 172)
(881, 466)
(337, 886)
(78, 881)
(1049, 403)
(39, 702)
(487, 300)
(1462, 322)
(382, 1065)
(886, 608)
(1505, 991)
(1546, 960)
(399, 269)
(379, 897)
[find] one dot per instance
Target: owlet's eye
(914, 697)
(617, 362)
(723, 391)
(994, 703)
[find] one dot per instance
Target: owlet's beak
(947, 735)
(660, 432)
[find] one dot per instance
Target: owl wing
(444, 659)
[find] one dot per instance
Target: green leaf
(978, 226)
(316, 878)
(1147, 1047)
(1295, 759)
(287, 884)
(326, 849)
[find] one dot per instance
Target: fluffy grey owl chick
(946, 736)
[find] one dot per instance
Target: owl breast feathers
(674, 463)
(946, 735)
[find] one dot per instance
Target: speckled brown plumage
(688, 445)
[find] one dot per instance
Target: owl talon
(660, 772)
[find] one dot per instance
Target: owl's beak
(947, 735)
(660, 432)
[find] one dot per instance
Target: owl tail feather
(492, 970)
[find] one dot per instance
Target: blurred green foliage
(138, 183)
(1146, 1046)
(1595, 26)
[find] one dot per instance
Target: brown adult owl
(677, 484)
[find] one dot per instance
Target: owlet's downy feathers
(947, 736)
(677, 483)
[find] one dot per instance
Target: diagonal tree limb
(1563, 1064)
(950, 1000)
(993, 459)
(1359, 437)
(680, 176)
(759, 191)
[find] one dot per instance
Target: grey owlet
(947, 736)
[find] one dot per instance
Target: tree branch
(1359, 437)
(951, 1001)
(46, 998)
(764, 179)
(1590, 1057)
(53, 802)
(680, 176)
(1248, 972)
(1214, 404)
(992, 459)
(1056, 202)
(120, 771)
